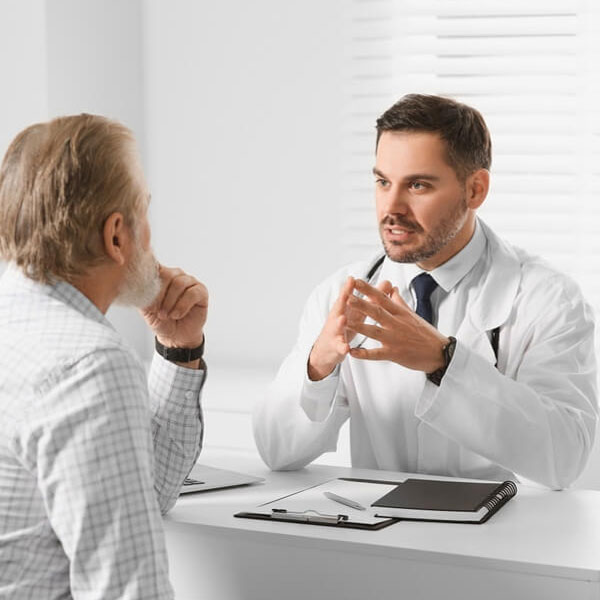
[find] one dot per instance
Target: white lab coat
(534, 416)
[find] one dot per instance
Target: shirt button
(189, 395)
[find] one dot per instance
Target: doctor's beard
(142, 281)
(438, 237)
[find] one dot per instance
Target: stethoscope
(494, 333)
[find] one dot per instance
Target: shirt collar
(59, 290)
(452, 271)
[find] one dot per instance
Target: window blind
(532, 69)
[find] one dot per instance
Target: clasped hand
(405, 338)
(178, 314)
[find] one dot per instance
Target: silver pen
(344, 501)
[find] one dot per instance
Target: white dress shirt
(91, 452)
(533, 416)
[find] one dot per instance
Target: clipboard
(309, 506)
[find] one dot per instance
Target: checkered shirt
(91, 453)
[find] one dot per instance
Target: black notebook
(440, 500)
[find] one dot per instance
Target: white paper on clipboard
(312, 502)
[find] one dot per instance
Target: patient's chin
(142, 283)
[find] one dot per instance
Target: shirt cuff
(317, 396)
(429, 403)
(177, 386)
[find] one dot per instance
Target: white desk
(542, 544)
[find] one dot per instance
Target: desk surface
(539, 532)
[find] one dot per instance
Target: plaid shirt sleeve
(105, 470)
(176, 425)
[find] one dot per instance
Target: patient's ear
(116, 237)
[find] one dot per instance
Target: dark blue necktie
(424, 284)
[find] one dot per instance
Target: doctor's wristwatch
(448, 350)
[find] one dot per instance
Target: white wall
(24, 98)
(244, 105)
(244, 109)
(95, 65)
(23, 52)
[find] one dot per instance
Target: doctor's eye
(418, 186)
(382, 182)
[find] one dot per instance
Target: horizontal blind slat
(458, 8)
(531, 68)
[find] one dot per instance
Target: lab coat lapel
(492, 306)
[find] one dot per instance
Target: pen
(345, 501)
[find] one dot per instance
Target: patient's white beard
(142, 281)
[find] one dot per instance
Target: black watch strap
(183, 355)
(437, 376)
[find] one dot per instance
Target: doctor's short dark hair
(461, 127)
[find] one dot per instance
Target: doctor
(453, 353)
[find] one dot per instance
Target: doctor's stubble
(436, 239)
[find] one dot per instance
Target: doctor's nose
(396, 201)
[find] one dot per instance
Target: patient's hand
(178, 314)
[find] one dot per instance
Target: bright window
(533, 70)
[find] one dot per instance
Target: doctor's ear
(115, 236)
(477, 186)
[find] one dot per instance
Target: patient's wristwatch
(448, 350)
(180, 355)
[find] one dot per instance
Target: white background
(238, 108)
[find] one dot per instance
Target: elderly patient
(91, 453)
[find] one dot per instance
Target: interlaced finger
(376, 312)
(378, 297)
(372, 331)
(339, 306)
(370, 353)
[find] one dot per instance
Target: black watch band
(437, 376)
(182, 355)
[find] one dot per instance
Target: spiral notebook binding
(508, 490)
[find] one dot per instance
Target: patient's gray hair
(59, 182)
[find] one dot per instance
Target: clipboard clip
(307, 516)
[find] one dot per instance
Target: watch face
(437, 376)
(449, 350)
